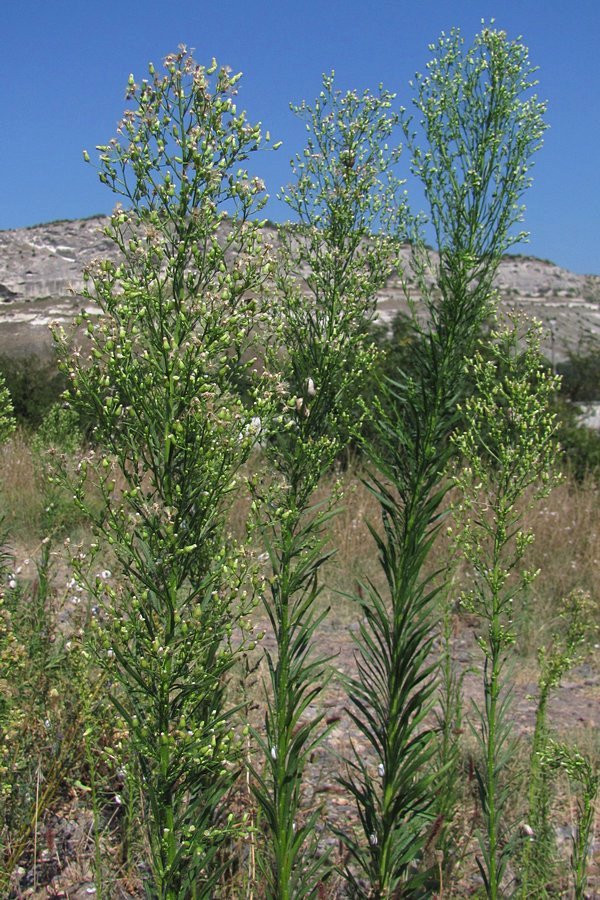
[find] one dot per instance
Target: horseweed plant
(480, 128)
(568, 645)
(333, 262)
(162, 382)
(482, 124)
(581, 773)
(507, 448)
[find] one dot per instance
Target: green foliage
(568, 645)
(7, 422)
(7, 426)
(58, 432)
(179, 312)
(480, 128)
(586, 780)
(43, 677)
(178, 402)
(391, 695)
(57, 448)
(579, 445)
(332, 265)
(506, 448)
(396, 357)
(449, 839)
(580, 384)
(34, 386)
(580, 374)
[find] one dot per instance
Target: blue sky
(64, 66)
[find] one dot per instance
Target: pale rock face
(41, 282)
(41, 279)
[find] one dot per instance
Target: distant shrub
(580, 445)
(581, 373)
(34, 384)
(7, 423)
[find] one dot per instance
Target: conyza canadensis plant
(507, 448)
(478, 125)
(161, 374)
(349, 211)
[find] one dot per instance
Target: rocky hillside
(41, 280)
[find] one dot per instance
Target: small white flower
(12, 584)
(373, 840)
(254, 426)
(273, 752)
(252, 429)
(105, 574)
(381, 770)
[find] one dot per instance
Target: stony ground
(65, 854)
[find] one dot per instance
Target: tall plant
(568, 645)
(161, 381)
(507, 449)
(335, 257)
(478, 128)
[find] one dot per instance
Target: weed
(508, 445)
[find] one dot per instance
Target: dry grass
(22, 503)
(566, 551)
(567, 544)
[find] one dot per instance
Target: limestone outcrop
(41, 282)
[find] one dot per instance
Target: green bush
(34, 385)
(580, 445)
(581, 373)
(397, 357)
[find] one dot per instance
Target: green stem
(492, 690)
(282, 836)
(166, 827)
(492, 827)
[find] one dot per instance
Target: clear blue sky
(64, 65)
